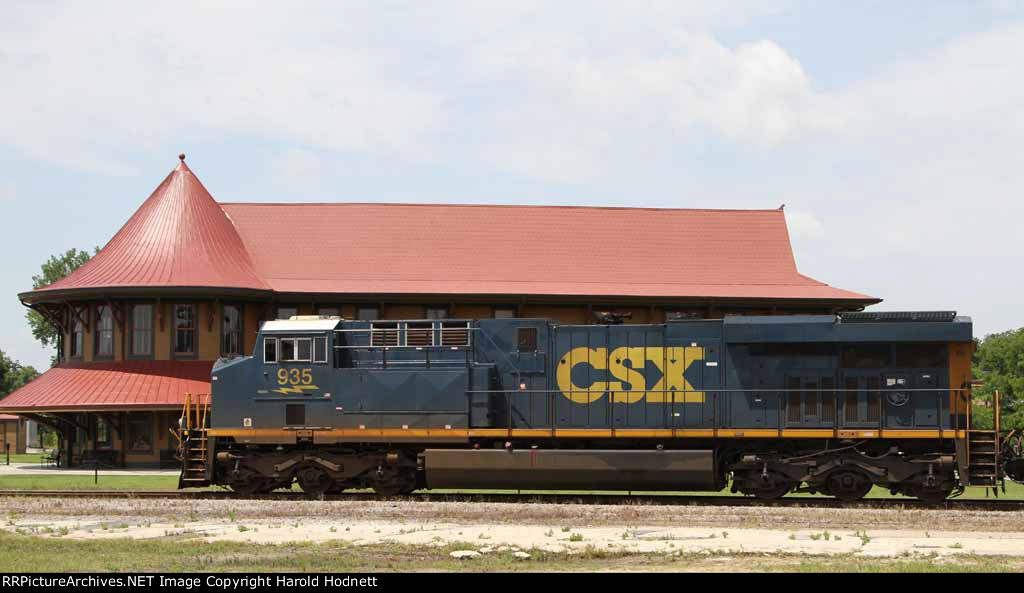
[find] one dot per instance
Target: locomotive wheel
(774, 487)
(931, 495)
(772, 492)
(393, 483)
(246, 482)
(314, 481)
(848, 485)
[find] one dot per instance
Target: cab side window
(269, 350)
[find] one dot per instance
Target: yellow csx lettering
(625, 364)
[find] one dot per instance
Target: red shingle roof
(182, 238)
(145, 384)
(524, 250)
(179, 237)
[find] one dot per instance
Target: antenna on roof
(181, 157)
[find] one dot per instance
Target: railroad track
(992, 504)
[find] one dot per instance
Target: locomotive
(831, 404)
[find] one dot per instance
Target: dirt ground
(550, 527)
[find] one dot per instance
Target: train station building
(188, 280)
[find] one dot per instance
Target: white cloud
(804, 225)
(88, 80)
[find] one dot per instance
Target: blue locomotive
(830, 404)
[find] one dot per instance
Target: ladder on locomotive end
(979, 451)
(193, 442)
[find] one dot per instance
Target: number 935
(295, 376)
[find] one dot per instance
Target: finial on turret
(181, 157)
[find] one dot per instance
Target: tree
(55, 268)
(999, 362)
(13, 374)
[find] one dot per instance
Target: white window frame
(277, 351)
(322, 339)
(295, 348)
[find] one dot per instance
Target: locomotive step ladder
(983, 458)
(984, 466)
(193, 441)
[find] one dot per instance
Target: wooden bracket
(77, 314)
(118, 314)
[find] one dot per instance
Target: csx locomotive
(831, 404)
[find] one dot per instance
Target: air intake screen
(904, 316)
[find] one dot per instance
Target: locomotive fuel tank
(571, 469)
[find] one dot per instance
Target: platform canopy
(108, 386)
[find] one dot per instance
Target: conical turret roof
(179, 237)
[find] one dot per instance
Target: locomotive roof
(301, 325)
(832, 328)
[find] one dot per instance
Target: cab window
(296, 350)
(320, 349)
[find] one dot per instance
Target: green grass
(86, 482)
(23, 458)
(179, 552)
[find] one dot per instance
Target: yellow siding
(162, 322)
(251, 324)
(209, 336)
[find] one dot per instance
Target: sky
(893, 132)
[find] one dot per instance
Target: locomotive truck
(831, 404)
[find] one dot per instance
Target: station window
(184, 329)
(287, 312)
(77, 339)
(231, 330)
(269, 349)
(437, 313)
(102, 433)
(328, 312)
(140, 431)
(527, 339)
(504, 312)
(368, 313)
(142, 330)
(104, 332)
